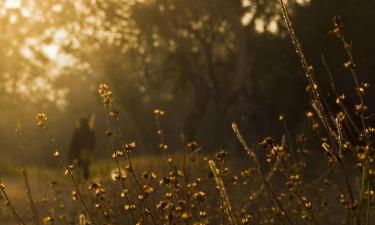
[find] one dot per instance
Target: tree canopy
(206, 63)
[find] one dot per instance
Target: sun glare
(11, 4)
(303, 2)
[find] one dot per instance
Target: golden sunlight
(11, 4)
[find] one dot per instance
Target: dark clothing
(81, 148)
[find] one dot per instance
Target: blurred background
(205, 63)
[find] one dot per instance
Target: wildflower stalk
(186, 179)
(307, 205)
(368, 211)
(361, 108)
(223, 193)
(159, 131)
(339, 98)
(285, 126)
(116, 156)
(316, 101)
(317, 104)
(350, 64)
(111, 111)
(57, 199)
(99, 195)
(42, 123)
(8, 203)
(26, 180)
(69, 172)
(163, 147)
(250, 152)
(131, 169)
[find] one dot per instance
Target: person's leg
(85, 158)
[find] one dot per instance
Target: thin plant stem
(26, 180)
(69, 172)
(250, 152)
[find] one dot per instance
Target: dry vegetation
(288, 187)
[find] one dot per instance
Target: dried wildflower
(141, 197)
(337, 26)
(117, 154)
(293, 182)
(275, 152)
(221, 155)
(117, 174)
(185, 216)
(369, 131)
(130, 146)
(99, 192)
(163, 147)
(168, 195)
(337, 21)
(41, 119)
(267, 143)
(328, 151)
(45, 199)
(94, 186)
(161, 205)
(234, 179)
(247, 219)
(148, 190)
(193, 146)
(148, 175)
(158, 112)
(199, 196)
(306, 203)
(124, 193)
(343, 200)
(67, 172)
(129, 207)
(349, 65)
(82, 220)
(340, 117)
(360, 108)
(56, 153)
(108, 133)
(74, 195)
(105, 93)
(153, 175)
(146, 211)
(115, 112)
(165, 180)
(48, 220)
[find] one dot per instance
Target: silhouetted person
(82, 146)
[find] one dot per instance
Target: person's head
(84, 123)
